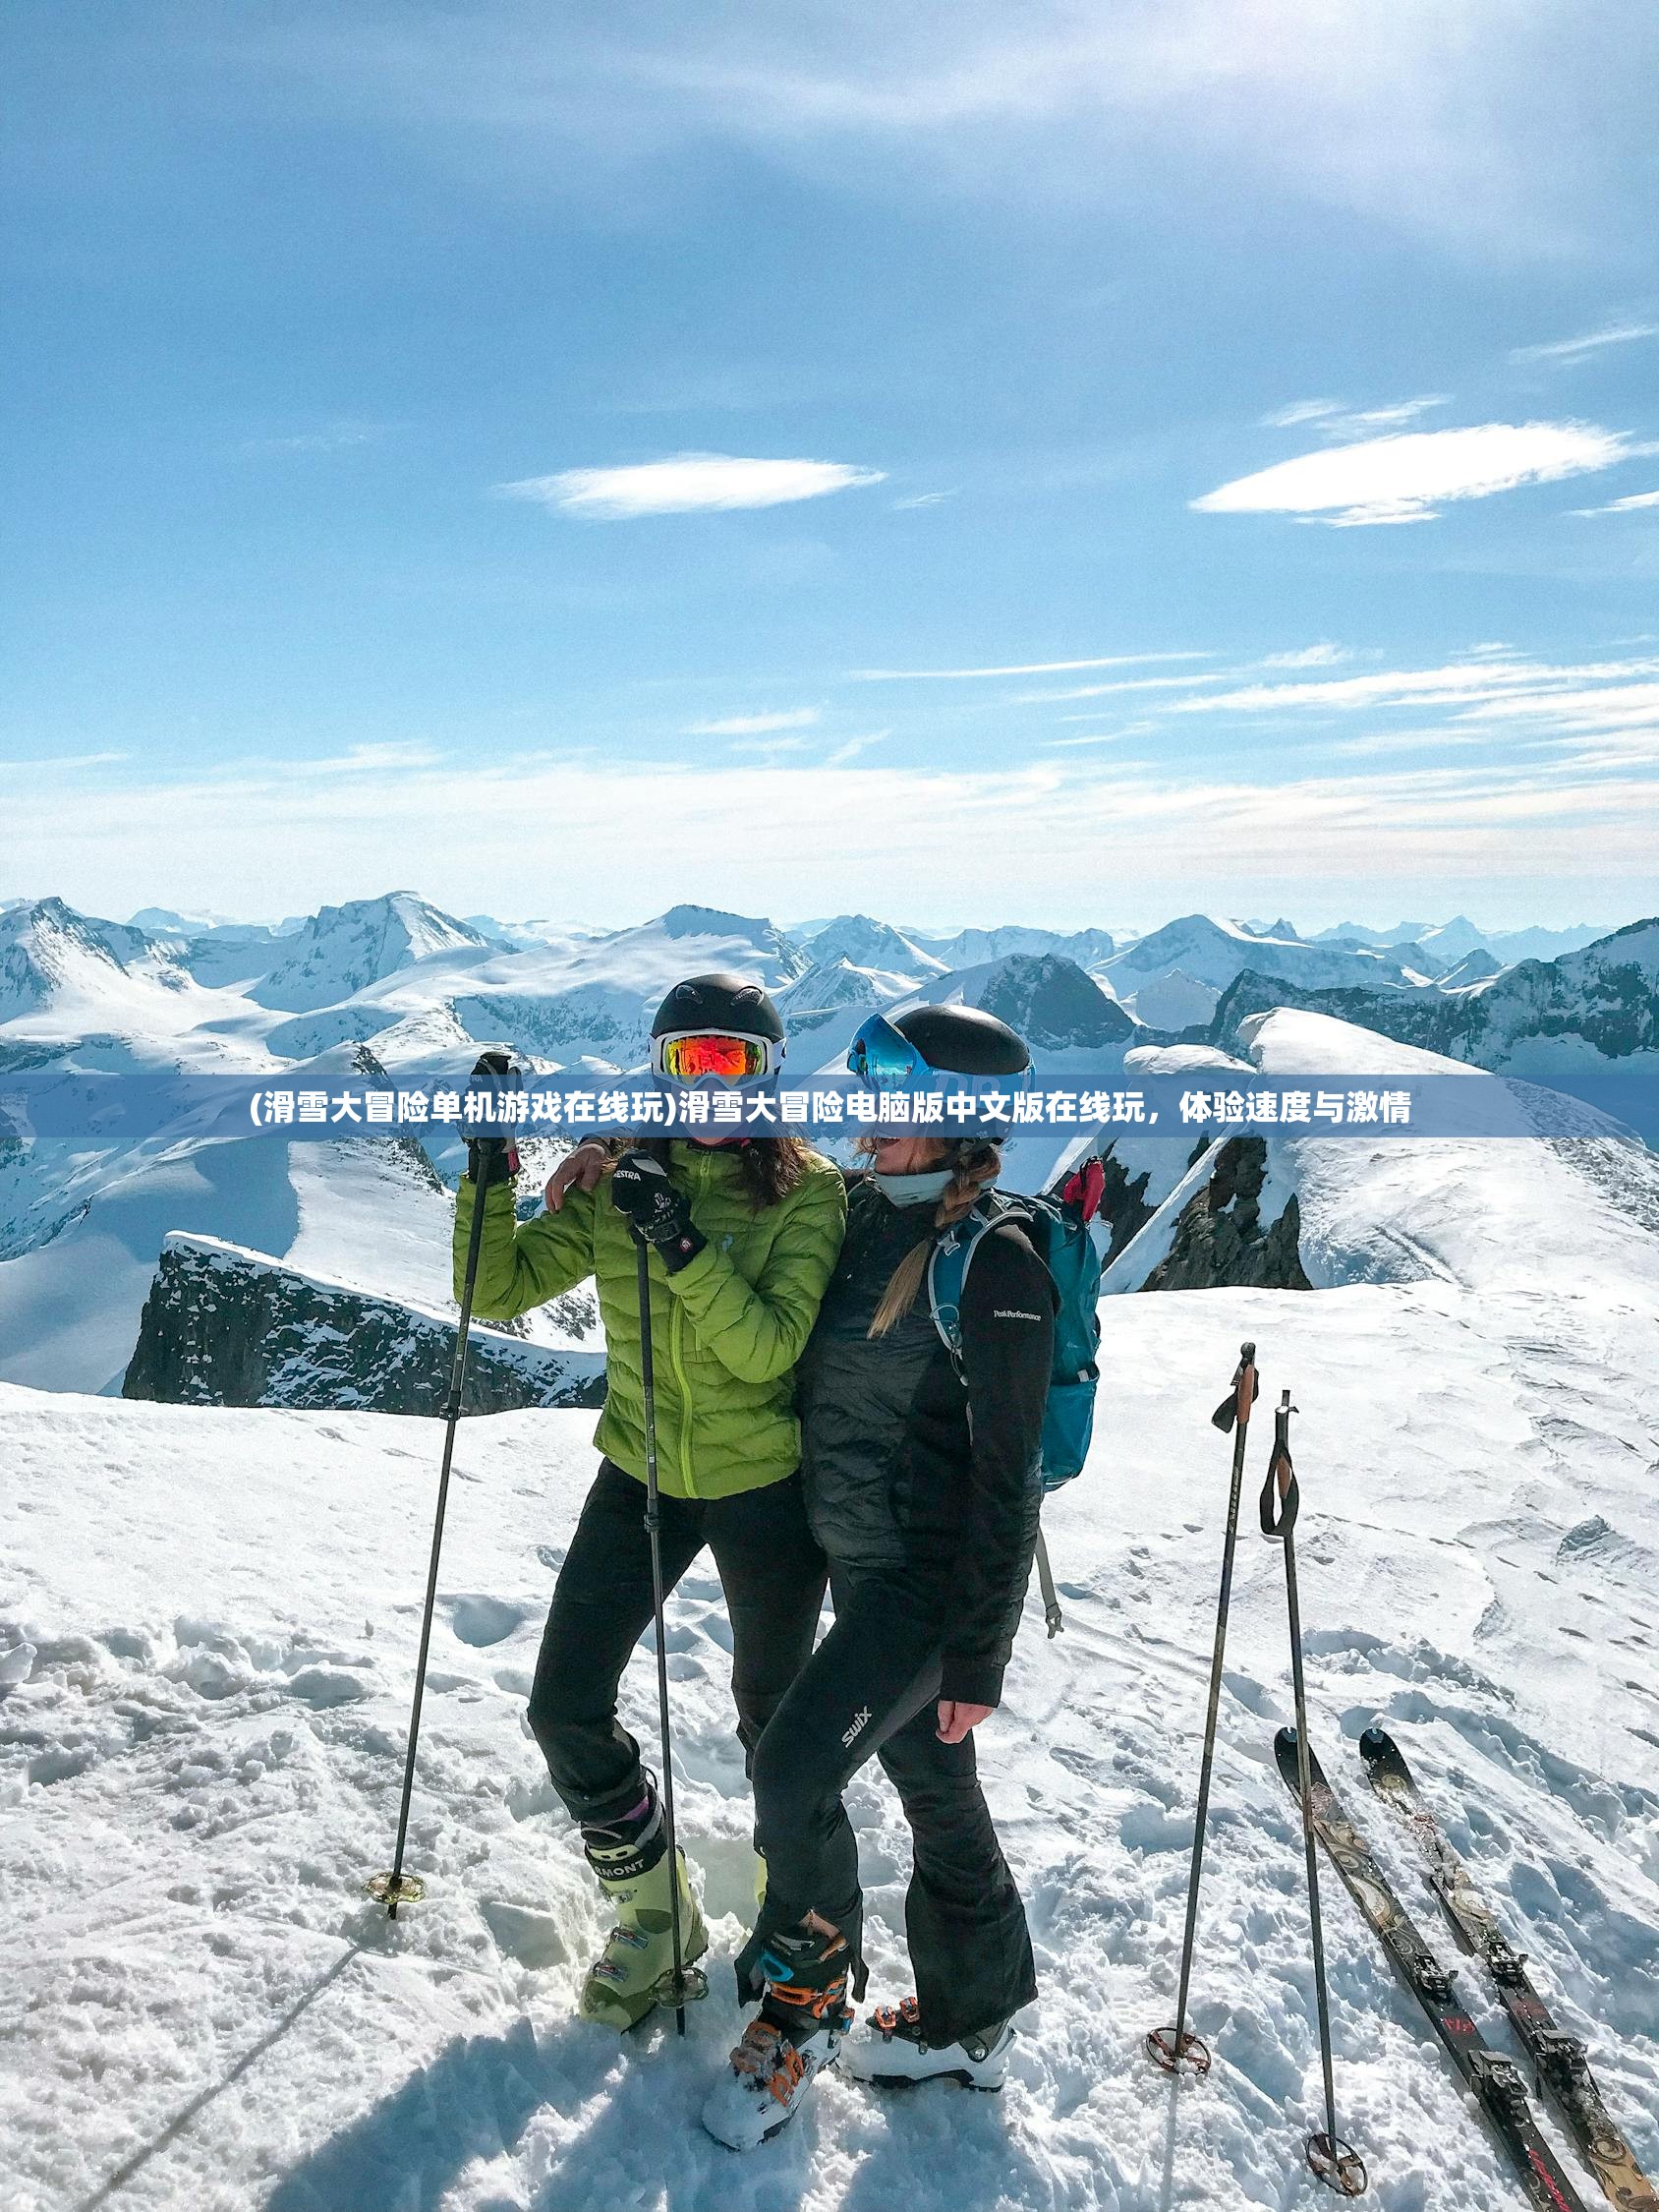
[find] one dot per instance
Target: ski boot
(796, 2033)
(890, 2049)
(635, 1973)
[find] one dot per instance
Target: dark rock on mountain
(226, 1328)
(1221, 1239)
(1052, 1004)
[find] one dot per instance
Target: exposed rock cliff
(222, 1327)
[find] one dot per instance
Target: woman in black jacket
(922, 1482)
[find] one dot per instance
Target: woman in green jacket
(742, 1240)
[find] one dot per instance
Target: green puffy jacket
(726, 1331)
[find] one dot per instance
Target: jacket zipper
(675, 1341)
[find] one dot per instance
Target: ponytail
(975, 1165)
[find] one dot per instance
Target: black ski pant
(871, 1687)
(771, 1569)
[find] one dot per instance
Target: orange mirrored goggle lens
(732, 1060)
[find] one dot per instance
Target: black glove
(658, 1214)
(492, 1159)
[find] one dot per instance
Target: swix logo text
(860, 1721)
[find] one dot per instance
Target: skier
(743, 1237)
(922, 1486)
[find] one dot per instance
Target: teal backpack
(1059, 1229)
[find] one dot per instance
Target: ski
(1494, 2082)
(1561, 2059)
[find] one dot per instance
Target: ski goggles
(883, 1058)
(695, 1056)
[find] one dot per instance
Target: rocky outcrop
(1221, 1237)
(222, 1327)
(1606, 994)
(1052, 1004)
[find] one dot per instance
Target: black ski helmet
(963, 1040)
(715, 1003)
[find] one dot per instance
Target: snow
(1207, 951)
(1483, 1211)
(208, 1626)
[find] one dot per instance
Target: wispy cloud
(1394, 480)
(767, 745)
(1632, 503)
(755, 725)
(1307, 657)
(922, 500)
(1110, 691)
(1571, 350)
(1067, 823)
(1456, 684)
(687, 483)
(1017, 669)
(1334, 418)
(851, 747)
(329, 437)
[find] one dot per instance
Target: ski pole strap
(1241, 1394)
(1045, 1583)
(1282, 1496)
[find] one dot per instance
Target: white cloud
(922, 500)
(851, 748)
(1631, 504)
(1571, 350)
(767, 745)
(755, 725)
(1392, 480)
(1308, 657)
(1024, 668)
(1458, 684)
(282, 836)
(1334, 419)
(1109, 690)
(687, 483)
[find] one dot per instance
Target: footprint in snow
(482, 1621)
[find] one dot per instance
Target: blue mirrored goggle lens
(883, 1058)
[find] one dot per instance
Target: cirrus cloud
(686, 484)
(1403, 478)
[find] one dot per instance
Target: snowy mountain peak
(1049, 1000)
(863, 942)
(342, 950)
(48, 952)
(783, 959)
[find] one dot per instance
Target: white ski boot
(796, 2033)
(888, 2050)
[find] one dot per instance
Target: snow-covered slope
(342, 950)
(64, 973)
(1484, 1212)
(863, 943)
(1570, 1022)
(209, 1623)
(1206, 950)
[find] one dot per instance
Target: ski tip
(1383, 1757)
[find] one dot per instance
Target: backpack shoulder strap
(952, 1256)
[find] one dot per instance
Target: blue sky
(1264, 395)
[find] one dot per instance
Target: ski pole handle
(1234, 1408)
(1282, 1496)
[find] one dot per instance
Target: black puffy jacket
(919, 1473)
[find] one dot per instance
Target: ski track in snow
(207, 1629)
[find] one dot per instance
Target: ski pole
(1174, 2048)
(396, 1887)
(683, 1982)
(1338, 2164)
